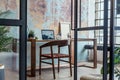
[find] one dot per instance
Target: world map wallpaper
(42, 14)
(48, 13)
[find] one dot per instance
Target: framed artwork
(65, 29)
(47, 34)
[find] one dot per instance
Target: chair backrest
(56, 42)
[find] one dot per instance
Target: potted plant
(116, 62)
(31, 34)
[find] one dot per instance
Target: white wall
(91, 16)
(91, 13)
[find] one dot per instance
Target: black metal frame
(75, 37)
(105, 46)
(112, 29)
(22, 23)
(23, 39)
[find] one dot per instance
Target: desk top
(72, 39)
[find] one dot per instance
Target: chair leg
(58, 59)
(40, 63)
(40, 67)
(53, 68)
(70, 66)
(58, 65)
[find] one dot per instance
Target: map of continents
(48, 13)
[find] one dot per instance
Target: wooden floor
(47, 74)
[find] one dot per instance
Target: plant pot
(30, 36)
(2, 75)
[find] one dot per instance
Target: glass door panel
(9, 57)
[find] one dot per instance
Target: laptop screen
(47, 34)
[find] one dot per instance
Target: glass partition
(9, 56)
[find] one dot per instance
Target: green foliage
(117, 55)
(116, 61)
(31, 34)
(117, 72)
(5, 40)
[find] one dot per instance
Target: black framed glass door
(14, 63)
(104, 28)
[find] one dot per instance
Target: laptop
(47, 34)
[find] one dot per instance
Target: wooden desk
(33, 53)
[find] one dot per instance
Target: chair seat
(55, 55)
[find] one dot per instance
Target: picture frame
(47, 34)
(65, 29)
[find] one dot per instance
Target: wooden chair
(52, 55)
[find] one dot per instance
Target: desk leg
(95, 53)
(33, 58)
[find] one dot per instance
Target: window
(99, 18)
